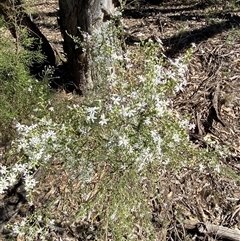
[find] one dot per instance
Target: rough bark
(15, 16)
(83, 15)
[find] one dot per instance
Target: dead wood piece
(216, 104)
(223, 232)
(199, 125)
(215, 231)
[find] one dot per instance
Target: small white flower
(147, 121)
(30, 182)
(63, 127)
(191, 126)
(3, 185)
(184, 123)
(35, 141)
(117, 57)
(170, 75)
(23, 222)
(48, 135)
(103, 120)
(141, 79)
(131, 113)
(12, 178)
(160, 110)
(123, 141)
(91, 118)
(92, 110)
(19, 167)
(43, 238)
(39, 230)
(201, 167)
(124, 112)
(39, 218)
(129, 65)
(30, 88)
(217, 168)
(171, 144)
(112, 79)
(193, 45)
(16, 229)
(178, 87)
(91, 114)
(117, 14)
(3, 170)
(176, 138)
(147, 155)
(20, 127)
(124, 166)
(156, 137)
(51, 222)
(116, 100)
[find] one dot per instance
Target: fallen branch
(214, 231)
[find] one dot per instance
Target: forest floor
(211, 97)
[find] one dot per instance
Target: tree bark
(15, 17)
(83, 15)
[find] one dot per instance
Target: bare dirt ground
(212, 98)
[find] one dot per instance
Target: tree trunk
(15, 17)
(83, 15)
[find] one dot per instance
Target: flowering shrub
(122, 136)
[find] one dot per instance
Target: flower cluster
(9, 177)
(38, 230)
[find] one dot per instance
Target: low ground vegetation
(123, 162)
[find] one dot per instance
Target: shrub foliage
(111, 145)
